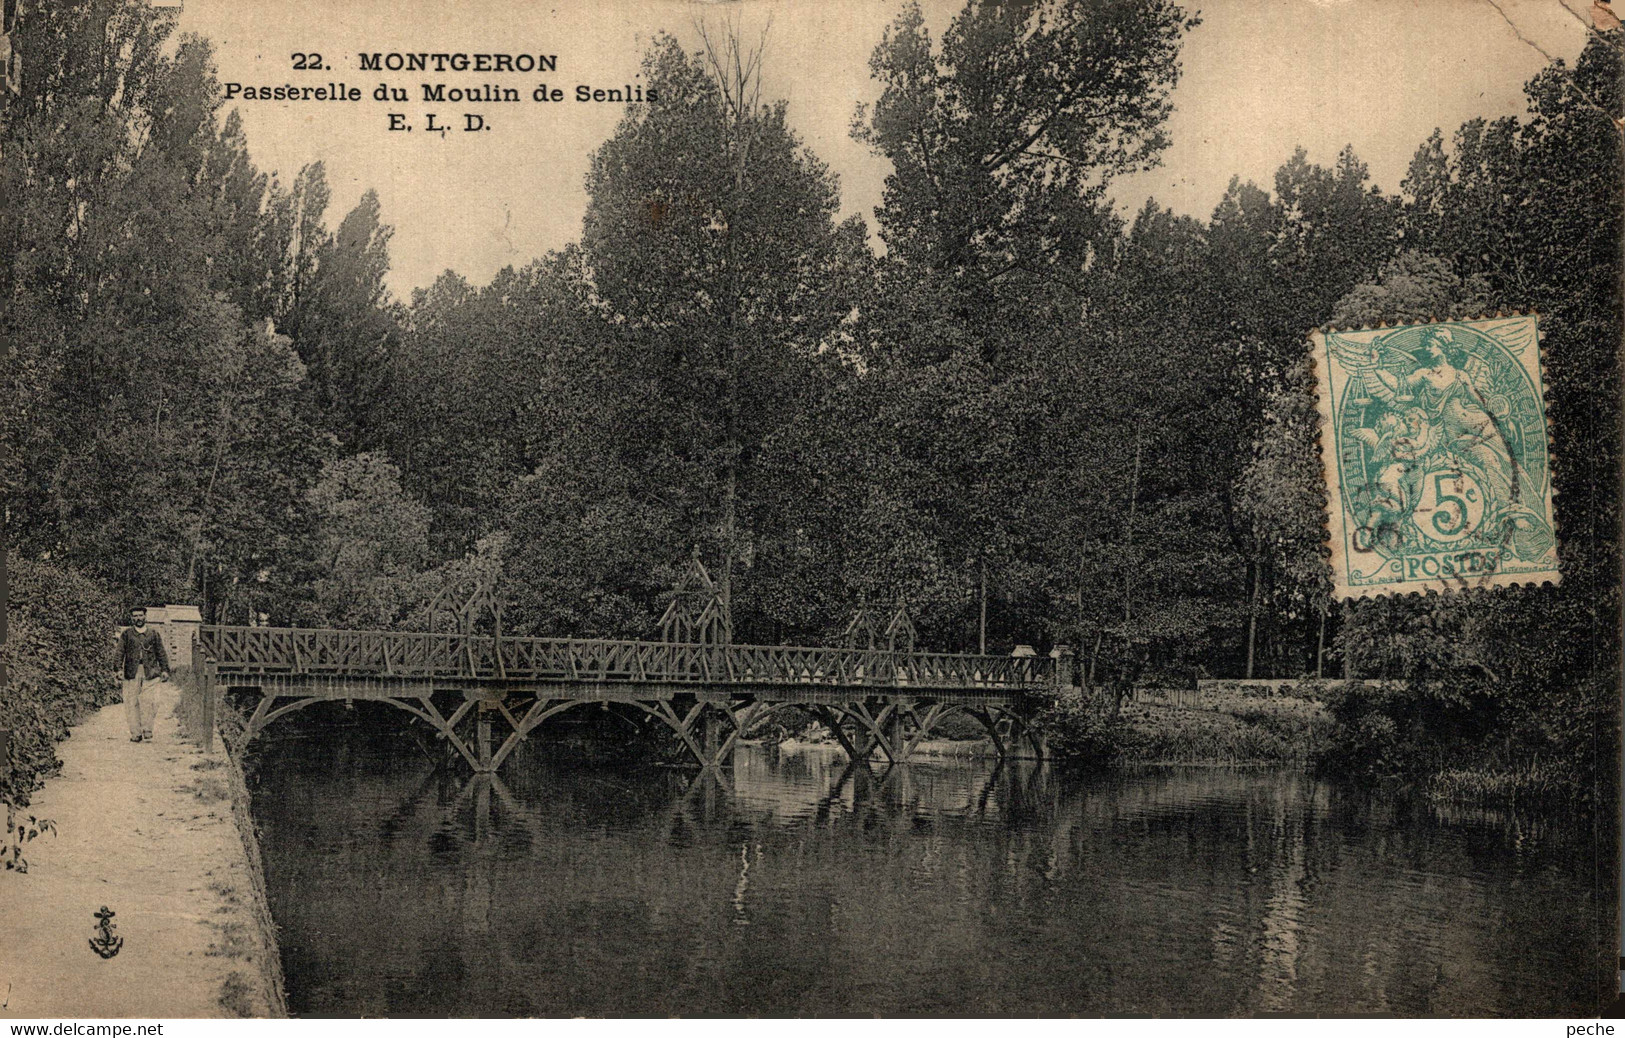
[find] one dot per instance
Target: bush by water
(1475, 739)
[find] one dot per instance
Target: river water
(804, 887)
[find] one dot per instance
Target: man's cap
(138, 609)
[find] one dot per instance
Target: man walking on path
(142, 653)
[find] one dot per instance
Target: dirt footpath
(146, 829)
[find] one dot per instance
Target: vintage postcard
(799, 508)
(1438, 459)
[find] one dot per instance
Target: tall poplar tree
(715, 266)
(144, 403)
(1003, 138)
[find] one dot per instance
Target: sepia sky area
(1261, 77)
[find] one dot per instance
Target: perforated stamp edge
(1334, 518)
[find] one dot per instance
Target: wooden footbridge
(484, 692)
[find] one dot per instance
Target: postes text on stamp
(1436, 455)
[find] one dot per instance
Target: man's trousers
(139, 710)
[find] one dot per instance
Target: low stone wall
(270, 959)
(1264, 686)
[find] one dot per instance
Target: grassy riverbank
(1362, 732)
(1231, 726)
(1225, 726)
(1430, 736)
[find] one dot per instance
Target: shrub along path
(146, 829)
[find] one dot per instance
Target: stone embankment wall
(258, 904)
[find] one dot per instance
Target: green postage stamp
(1437, 460)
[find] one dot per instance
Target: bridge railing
(423, 655)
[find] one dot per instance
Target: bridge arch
(692, 726)
(709, 731)
(888, 728)
(538, 712)
(419, 706)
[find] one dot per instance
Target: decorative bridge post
(697, 632)
(464, 610)
(1065, 677)
(699, 613)
(201, 689)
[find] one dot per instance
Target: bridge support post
(896, 745)
(204, 690)
(482, 725)
(1027, 741)
(832, 721)
(991, 723)
(1040, 744)
(712, 737)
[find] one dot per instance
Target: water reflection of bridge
(875, 694)
(491, 843)
(959, 885)
(844, 791)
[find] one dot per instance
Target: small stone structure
(178, 626)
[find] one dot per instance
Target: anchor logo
(105, 943)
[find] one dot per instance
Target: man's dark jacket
(143, 648)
